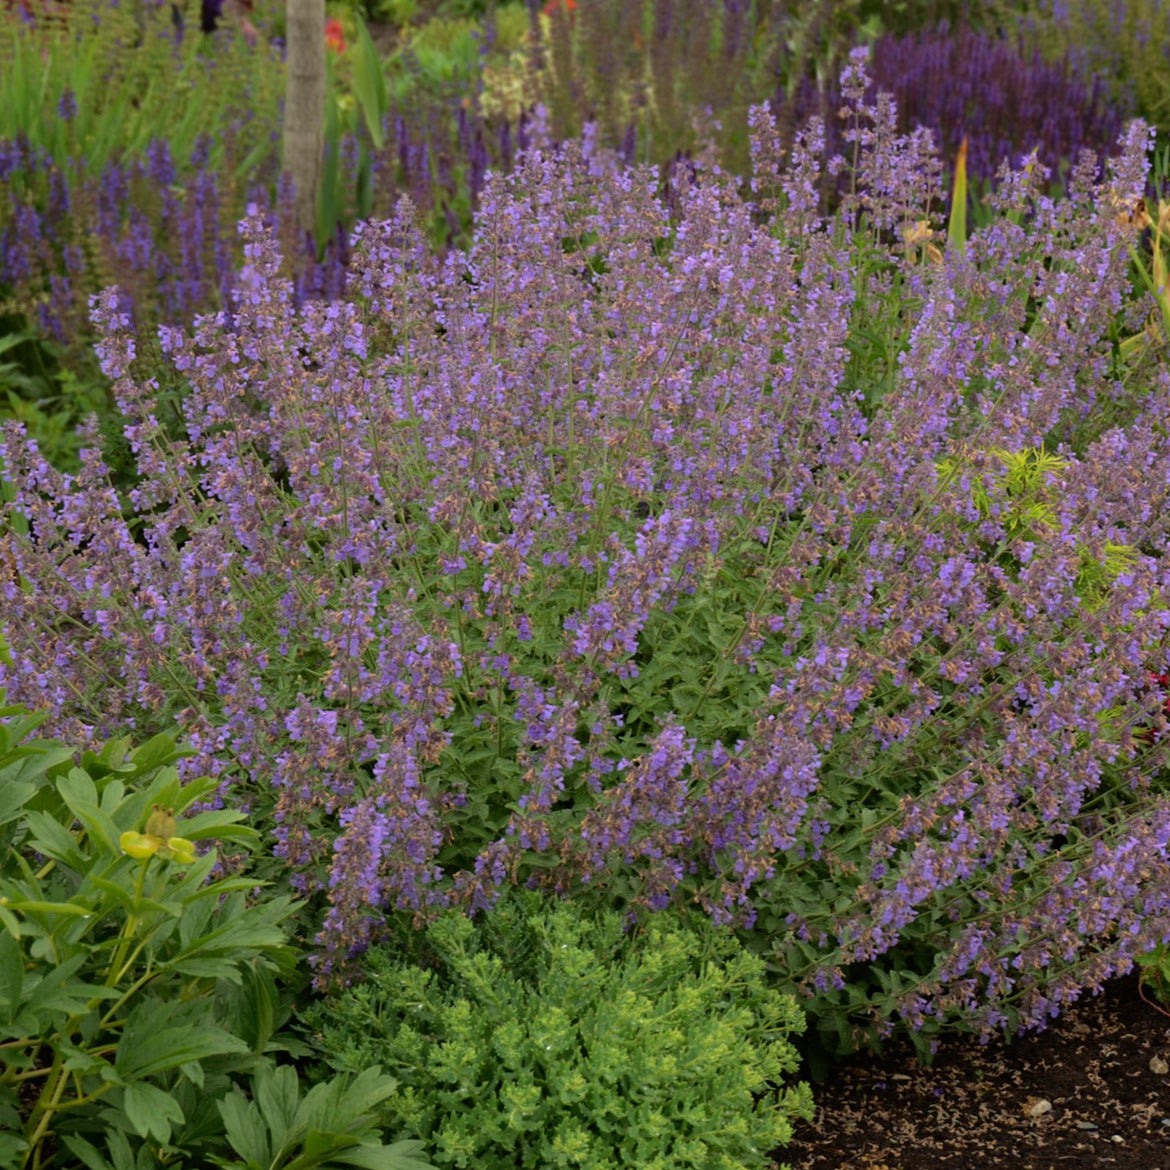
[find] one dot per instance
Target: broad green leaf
(219, 826)
(77, 784)
(402, 1155)
(319, 1107)
(321, 1146)
(245, 1129)
(98, 823)
(59, 994)
(151, 1111)
(147, 1052)
(12, 799)
(367, 1091)
(204, 968)
(87, 1153)
(250, 1009)
(50, 838)
(278, 1095)
(160, 752)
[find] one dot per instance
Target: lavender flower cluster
(576, 560)
(965, 83)
(155, 226)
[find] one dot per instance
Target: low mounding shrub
(136, 986)
(544, 1037)
(641, 559)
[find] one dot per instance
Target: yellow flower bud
(138, 846)
(161, 823)
(181, 849)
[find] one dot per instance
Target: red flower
(335, 35)
(553, 6)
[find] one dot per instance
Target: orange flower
(553, 6)
(335, 35)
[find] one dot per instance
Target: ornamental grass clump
(641, 559)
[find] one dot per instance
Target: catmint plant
(590, 560)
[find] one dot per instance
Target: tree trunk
(304, 107)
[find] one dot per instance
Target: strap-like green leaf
(957, 228)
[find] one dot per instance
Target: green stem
(117, 962)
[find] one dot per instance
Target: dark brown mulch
(1093, 1090)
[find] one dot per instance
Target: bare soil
(1092, 1090)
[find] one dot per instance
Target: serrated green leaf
(58, 993)
(319, 1106)
(367, 1091)
(278, 1095)
(244, 1129)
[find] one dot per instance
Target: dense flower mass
(961, 84)
(606, 557)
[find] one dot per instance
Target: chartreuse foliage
(542, 1037)
(135, 982)
(1024, 499)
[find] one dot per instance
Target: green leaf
(220, 824)
(131, 904)
(88, 1154)
(402, 1155)
(245, 1129)
(159, 752)
(278, 1095)
(33, 906)
(204, 968)
(319, 1106)
(151, 1111)
(321, 1145)
(153, 1043)
(368, 1091)
(957, 227)
(369, 84)
(49, 837)
(98, 823)
(59, 994)
(11, 978)
(12, 799)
